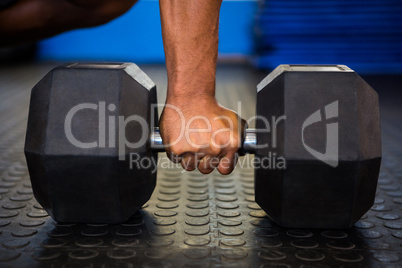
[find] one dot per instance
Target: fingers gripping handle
(248, 144)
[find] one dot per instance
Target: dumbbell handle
(248, 145)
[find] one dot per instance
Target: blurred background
(366, 35)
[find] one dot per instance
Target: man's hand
(195, 129)
(198, 132)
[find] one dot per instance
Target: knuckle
(188, 167)
(205, 170)
(176, 150)
(224, 171)
(214, 151)
(234, 142)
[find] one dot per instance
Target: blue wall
(366, 35)
(136, 36)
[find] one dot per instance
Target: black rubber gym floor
(193, 220)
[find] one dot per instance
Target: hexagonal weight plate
(84, 122)
(324, 122)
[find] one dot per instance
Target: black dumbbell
(83, 174)
(331, 141)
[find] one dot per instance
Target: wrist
(190, 90)
(200, 99)
(190, 79)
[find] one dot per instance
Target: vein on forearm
(190, 35)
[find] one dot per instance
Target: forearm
(198, 132)
(190, 36)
